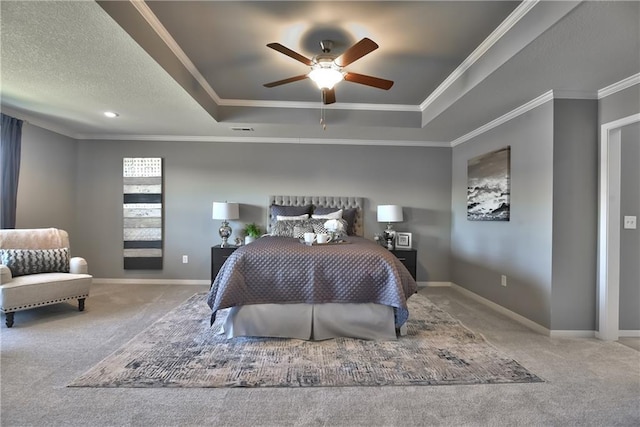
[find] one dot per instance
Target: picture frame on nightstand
(403, 240)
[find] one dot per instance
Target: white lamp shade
(225, 210)
(390, 213)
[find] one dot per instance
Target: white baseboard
(500, 309)
(206, 282)
(496, 307)
(557, 333)
(629, 333)
(523, 320)
(150, 281)
(434, 284)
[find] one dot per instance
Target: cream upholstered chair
(36, 270)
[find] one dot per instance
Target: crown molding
(318, 106)
(574, 94)
(546, 97)
(162, 32)
(506, 25)
(166, 37)
(618, 86)
(552, 94)
(265, 140)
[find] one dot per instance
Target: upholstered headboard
(337, 202)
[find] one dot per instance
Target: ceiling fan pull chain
(322, 122)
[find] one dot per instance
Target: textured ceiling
(195, 70)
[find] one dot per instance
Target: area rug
(181, 350)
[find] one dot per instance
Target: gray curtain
(10, 143)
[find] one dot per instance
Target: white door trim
(609, 228)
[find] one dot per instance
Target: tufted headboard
(337, 202)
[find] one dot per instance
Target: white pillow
(332, 215)
(292, 218)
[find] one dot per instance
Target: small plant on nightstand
(251, 232)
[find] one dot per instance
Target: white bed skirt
(312, 321)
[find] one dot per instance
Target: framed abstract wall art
(488, 186)
(142, 213)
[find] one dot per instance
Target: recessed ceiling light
(111, 114)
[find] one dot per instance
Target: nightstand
(218, 257)
(408, 258)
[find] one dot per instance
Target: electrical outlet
(503, 280)
(630, 222)
(185, 259)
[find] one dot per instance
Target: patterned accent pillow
(282, 210)
(348, 215)
(286, 228)
(33, 261)
(299, 230)
(318, 225)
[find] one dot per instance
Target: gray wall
(47, 183)
(575, 214)
(630, 239)
(548, 248)
(545, 253)
(196, 174)
(520, 248)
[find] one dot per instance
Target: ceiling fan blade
(285, 81)
(295, 55)
(368, 80)
(356, 52)
(328, 96)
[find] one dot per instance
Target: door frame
(608, 295)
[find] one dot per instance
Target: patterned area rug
(181, 350)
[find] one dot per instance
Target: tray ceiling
(195, 69)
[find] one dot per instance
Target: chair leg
(80, 304)
(9, 319)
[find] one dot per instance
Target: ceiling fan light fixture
(326, 77)
(327, 70)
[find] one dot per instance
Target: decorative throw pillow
(285, 228)
(348, 215)
(299, 230)
(318, 225)
(33, 261)
(318, 228)
(282, 210)
(292, 218)
(331, 215)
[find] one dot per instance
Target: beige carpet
(181, 350)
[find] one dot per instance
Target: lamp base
(390, 236)
(225, 232)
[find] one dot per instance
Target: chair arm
(78, 265)
(5, 274)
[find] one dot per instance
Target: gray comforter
(282, 270)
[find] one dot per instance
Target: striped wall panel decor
(142, 210)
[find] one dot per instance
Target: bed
(279, 287)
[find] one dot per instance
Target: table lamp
(389, 214)
(225, 211)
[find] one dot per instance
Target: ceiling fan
(328, 69)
